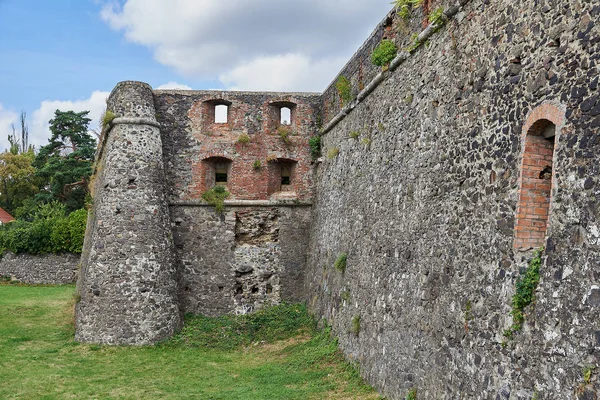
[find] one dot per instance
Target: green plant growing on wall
(344, 89)
(412, 394)
(107, 118)
(524, 293)
(340, 262)
(354, 134)
(243, 139)
(468, 314)
(436, 17)
(366, 141)
(384, 53)
(587, 372)
(216, 197)
(257, 164)
(284, 133)
(333, 153)
(415, 43)
(319, 121)
(355, 328)
(345, 295)
(315, 146)
(405, 7)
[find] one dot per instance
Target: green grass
(274, 354)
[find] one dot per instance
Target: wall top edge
(216, 93)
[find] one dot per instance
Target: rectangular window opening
(220, 175)
(286, 180)
(285, 116)
(221, 112)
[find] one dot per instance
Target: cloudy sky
(69, 54)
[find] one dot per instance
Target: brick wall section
(190, 141)
(534, 194)
(535, 188)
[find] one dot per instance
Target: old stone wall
(438, 178)
(424, 203)
(254, 253)
(239, 261)
(40, 269)
(128, 281)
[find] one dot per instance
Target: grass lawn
(275, 355)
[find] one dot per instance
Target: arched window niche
(536, 176)
(282, 114)
(216, 112)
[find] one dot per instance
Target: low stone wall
(45, 269)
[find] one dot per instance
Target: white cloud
(234, 39)
(282, 73)
(174, 85)
(38, 124)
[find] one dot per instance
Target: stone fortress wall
(437, 180)
(439, 200)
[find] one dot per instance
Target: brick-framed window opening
(286, 177)
(216, 114)
(217, 171)
(535, 191)
(281, 114)
(282, 175)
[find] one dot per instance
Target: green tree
(65, 163)
(18, 181)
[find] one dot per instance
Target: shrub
(436, 16)
(243, 139)
(257, 164)
(344, 89)
(107, 119)
(524, 293)
(50, 231)
(340, 263)
(315, 146)
(284, 133)
(216, 197)
(333, 153)
(384, 53)
(404, 7)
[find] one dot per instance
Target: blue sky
(69, 54)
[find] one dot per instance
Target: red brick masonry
(535, 186)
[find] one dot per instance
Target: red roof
(5, 217)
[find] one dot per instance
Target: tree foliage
(51, 230)
(65, 163)
(18, 180)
